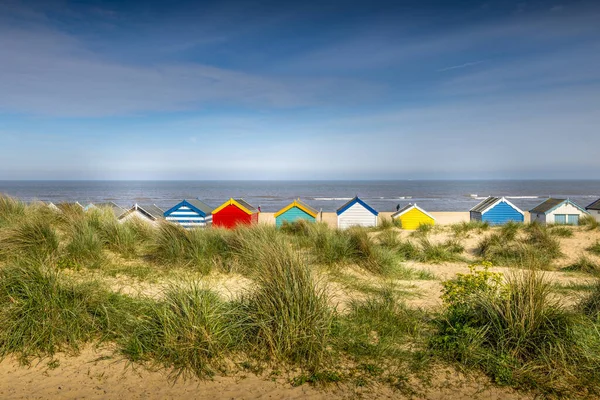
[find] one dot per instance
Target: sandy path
(96, 374)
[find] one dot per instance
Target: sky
(299, 90)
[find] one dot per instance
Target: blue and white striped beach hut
(496, 211)
(190, 214)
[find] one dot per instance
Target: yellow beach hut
(412, 216)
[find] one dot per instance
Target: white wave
(405, 197)
(332, 198)
(522, 197)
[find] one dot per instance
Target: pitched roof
(152, 211)
(297, 203)
(196, 204)
(546, 205)
(202, 206)
(239, 203)
(350, 203)
(409, 207)
(594, 206)
(485, 204)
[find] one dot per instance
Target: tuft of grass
(42, 313)
(564, 231)
(439, 252)
(538, 249)
(584, 264)
(388, 223)
(34, 239)
(11, 209)
(300, 227)
(378, 327)
(590, 304)
(463, 228)
(595, 248)
(203, 249)
(287, 317)
(191, 330)
(589, 222)
(520, 335)
(85, 247)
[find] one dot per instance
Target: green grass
(584, 264)
(10, 209)
(595, 248)
(42, 313)
(287, 317)
(85, 246)
(590, 304)
(521, 336)
(33, 239)
(192, 331)
(561, 231)
(464, 228)
(589, 222)
(536, 249)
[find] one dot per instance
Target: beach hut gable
(356, 200)
(295, 211)
(151, 213)
(412, 216)
(297, 204)
(190, 213)
(234, 212)
(239, 203)
(497, 211)
(356, 213)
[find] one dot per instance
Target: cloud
(47, 72)
(460, 66)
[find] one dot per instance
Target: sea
(446, 195)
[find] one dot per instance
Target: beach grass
(56, 295)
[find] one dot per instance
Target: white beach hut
(146, 213)
(557, 211)
(356, 213)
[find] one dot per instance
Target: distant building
(356, 213)
(146, 213)
(594, 209)
(295, 211)
(190, 214)
(496, 211)
(234, 212)
(412, 216)
(557, 211)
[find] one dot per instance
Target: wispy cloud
(460, 66)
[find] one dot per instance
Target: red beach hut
(234, 212)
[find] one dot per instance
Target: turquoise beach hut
(496, 211)
(295, 211)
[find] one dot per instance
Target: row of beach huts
(494, 210)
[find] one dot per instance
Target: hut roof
(152, 211)
(485, 204)
(354, 200)
(239, 203)
(195, 204)
(550, 204)
(546, 205)
(409, 207)
(117, 210)
(297, 203)
(594, 206)
(490, 202)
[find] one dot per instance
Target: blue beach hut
(496, 211)
(190, 214)
(295, 211)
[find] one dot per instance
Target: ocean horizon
(326, 195)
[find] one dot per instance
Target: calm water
(326, 195)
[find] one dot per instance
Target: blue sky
(299, 90)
